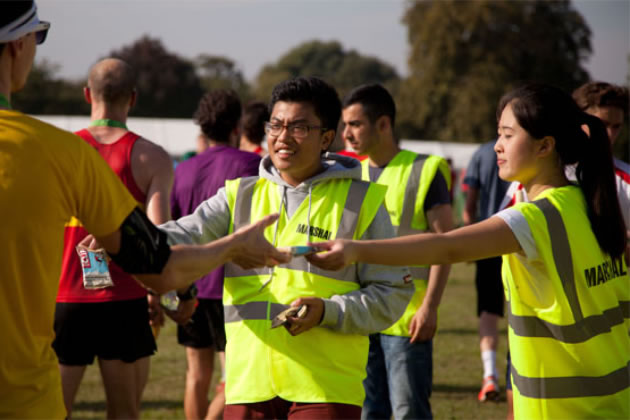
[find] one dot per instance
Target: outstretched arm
(486, 239)
(186, 263)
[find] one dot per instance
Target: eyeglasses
(295, 130)
(41, 30)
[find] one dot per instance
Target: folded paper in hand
(281, 318)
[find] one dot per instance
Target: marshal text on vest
(315, 231)
(603, 272)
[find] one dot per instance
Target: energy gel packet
(95, 269)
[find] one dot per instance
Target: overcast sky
(256, 32)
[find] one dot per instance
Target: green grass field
(457, 365)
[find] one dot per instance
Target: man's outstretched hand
(254, 250)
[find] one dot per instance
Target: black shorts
(117, 330)
(207, 328)
(490, 296)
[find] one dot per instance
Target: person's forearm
(209, 221)
(440, 220)
(468, 215)
(372, 308)
(437, 283)
(187, 263)
(470, 209)
(246, 247)
(423, 249)
(486, 239)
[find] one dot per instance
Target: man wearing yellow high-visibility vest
(400, 366)
(315, 367)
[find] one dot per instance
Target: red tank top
(118, 156)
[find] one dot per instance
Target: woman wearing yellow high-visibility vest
(566, 283)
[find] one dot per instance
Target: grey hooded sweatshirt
(384, 293)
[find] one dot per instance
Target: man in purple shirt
(196, 180)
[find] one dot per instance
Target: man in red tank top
(112, 323)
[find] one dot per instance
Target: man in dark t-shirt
(196, 180)
(400, 361)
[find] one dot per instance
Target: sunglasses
(41, 30)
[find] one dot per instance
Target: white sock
(489, 363)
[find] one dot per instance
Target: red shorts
(282, 409)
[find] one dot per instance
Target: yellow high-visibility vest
(569, 315)
(408, 177)
(320, 365)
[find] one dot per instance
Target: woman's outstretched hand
(333, 255)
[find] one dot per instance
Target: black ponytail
(544, 110)
(595, 173)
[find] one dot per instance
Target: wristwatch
(189, 294)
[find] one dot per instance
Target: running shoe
(489, 389)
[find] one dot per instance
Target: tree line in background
(463, 56)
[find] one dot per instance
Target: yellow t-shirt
(47, 175)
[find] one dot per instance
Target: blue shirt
(483, 174)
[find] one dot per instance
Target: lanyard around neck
(108, 123)
(4, 101)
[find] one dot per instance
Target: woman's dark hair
(312, 90)
(544, 110)
(218, 114)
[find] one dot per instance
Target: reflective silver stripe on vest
(351, 209)
(409, 205)
(409, 201)
(243, 205)
(573, 387)
(242, 217)
(561, 254)
(579, 332)
(582, 329)
(252, 310)
(347, 226)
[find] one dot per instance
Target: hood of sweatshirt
(335, 167)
